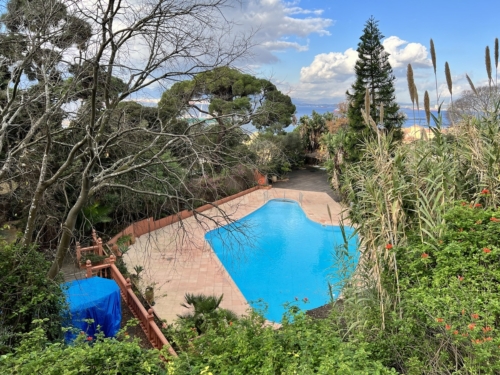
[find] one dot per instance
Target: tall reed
(449, 83)
(411, 87)
(487, 59)
(496, 62)
(433, 58)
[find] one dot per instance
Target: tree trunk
(68, 227)
(37, 197)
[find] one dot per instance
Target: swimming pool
(276, 254)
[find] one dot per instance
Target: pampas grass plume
(411, 83)
(433, 55)
(488, 62)
(496, 53)
(471, 84)
(427, 106)
(448, 77)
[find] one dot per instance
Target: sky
(308, 47)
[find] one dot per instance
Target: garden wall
(148, 225)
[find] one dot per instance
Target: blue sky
(308, 47)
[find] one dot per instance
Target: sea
(411, 119)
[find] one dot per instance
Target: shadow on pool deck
(308, 179)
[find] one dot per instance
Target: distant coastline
(420, 119)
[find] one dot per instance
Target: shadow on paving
(308, 179)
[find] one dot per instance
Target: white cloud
(330, 66)
(331, 74)
(402, 53)
(275, 22)
(281, 45)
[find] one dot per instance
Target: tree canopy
(234, 97)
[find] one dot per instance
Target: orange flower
(424, 255)
(388, 246)
(485, 191)
(494, 219)
(230, 323)
(447, 327)
(463, 311)
(486, 329)
(472, 326)
(465, 334)
(474, 316)
(488, 338)
(476, 341)
(478, 205)
(460, 278)
(89, 338)
(455, 332)
(464, 203)
(439, 320)
(486, 250)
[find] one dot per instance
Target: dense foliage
(87, 355)
(26, 294)
(248, 346)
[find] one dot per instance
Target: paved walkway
(177, 259)
(309, 179)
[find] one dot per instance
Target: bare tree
(92, 56)
(482, 101)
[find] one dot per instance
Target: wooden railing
(96, 248)
(146, 318)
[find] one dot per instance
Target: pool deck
(177, 260)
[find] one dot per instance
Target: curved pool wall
(277, 255)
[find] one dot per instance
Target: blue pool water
(276, 254)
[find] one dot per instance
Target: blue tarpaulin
(94, 298)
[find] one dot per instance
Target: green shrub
(450, 298)
(87, 355)
(27, 294)
(248, 346)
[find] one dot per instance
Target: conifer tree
(373, 71)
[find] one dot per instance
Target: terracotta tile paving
(178, 260)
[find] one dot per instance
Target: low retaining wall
(148, 225)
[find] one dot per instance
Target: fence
(146, 318)
(96, 248)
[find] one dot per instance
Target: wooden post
(112, 260)
(99, 247)
(150, 323)
(129, 290)
(94, 237)
(89, 268)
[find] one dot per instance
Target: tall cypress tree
(373, 71)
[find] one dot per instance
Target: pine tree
(373, 71)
